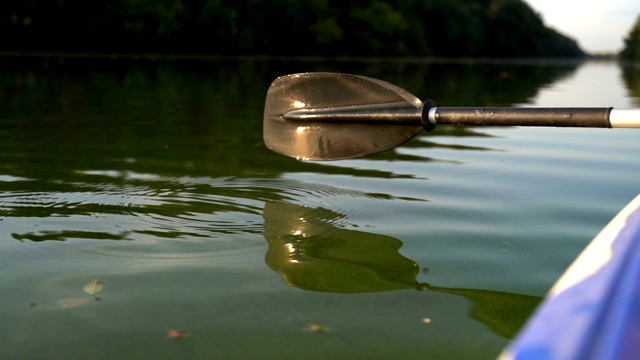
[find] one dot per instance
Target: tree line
(631, 50)
(447, 28)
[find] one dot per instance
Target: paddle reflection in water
(310, 251)
(312, 254)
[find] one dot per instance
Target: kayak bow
(593, 311)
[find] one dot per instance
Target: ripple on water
(358, 199)
(153, 220)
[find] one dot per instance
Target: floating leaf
(68, 303)
(93, 287)
(177, 334)
(309, 326)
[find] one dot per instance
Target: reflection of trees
(311, 251)
(504, 313)
(485, 84)
(631, 77)
(177, 117)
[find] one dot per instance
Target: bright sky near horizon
(597, 25)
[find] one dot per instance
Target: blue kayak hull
(593, 311)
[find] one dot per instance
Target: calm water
(150, 176)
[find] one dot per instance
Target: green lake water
(150, 175)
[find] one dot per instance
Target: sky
(597, 25)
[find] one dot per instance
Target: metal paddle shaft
(330, 116)
(559, 117)
(400, 113)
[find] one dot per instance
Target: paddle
(330, 116)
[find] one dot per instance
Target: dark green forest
(631, 49)
(445, 28)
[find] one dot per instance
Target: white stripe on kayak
(592, 311)
(597, 254)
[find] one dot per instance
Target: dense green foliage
(485, 28)
(631, 49)
(631, 76)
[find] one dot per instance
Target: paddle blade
(330, 139)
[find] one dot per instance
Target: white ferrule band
(432, 115)
(619, 118)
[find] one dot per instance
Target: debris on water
(69, 303)
(93, 288)
(309, 326)
(426, 320)
(177, 334)
(423, 286)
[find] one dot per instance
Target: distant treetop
(447, 28)
(631, 49)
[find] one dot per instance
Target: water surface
(150, 176)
